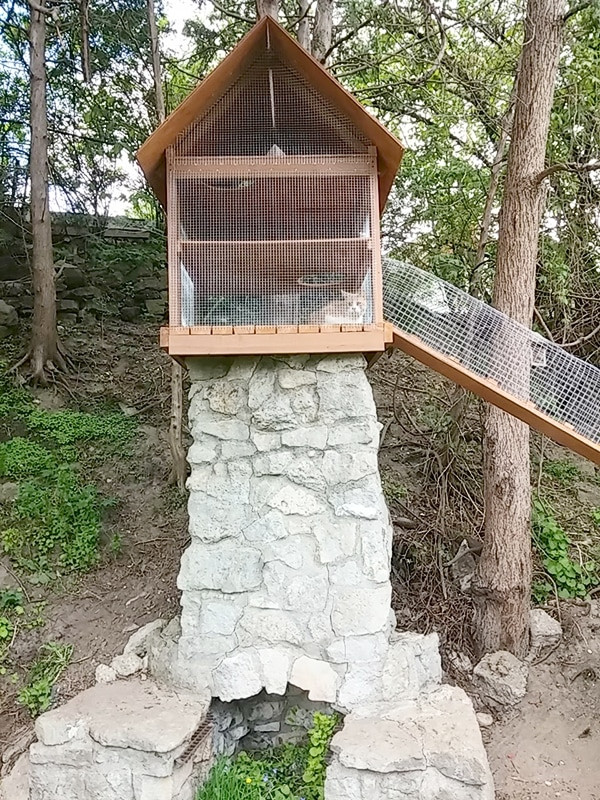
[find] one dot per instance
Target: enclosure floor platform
(493, 393)
(273, 341)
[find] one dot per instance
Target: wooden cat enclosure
(273, 178)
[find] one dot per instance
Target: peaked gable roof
(151, 155)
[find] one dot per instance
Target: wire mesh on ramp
(494, 347)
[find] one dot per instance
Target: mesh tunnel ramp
(505, 363)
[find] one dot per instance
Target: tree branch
(232, 14)
(577, 8)
(565, 168)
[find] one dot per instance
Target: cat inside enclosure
(348, 309)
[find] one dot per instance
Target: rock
(501, 679)
(425, 748)
(224, 566)
(8, 492)
(139, 641)
(67, 305)
(105, 674)
(545, 630)
(315, 436)
(463, 567)
(129, 313)
(293, 378)
(484, 720)
(127, 665)
(72, 276)
(316, 677)
(237, 676)
(156, 308)
(15, 785)
(137, 714)
(8, 315)
(460, 662)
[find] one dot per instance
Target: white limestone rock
(296, 500)
(316, 677)
(501, 679)
(215, 614)
(266, 529)
(275, 668)
(347, 467)
(127, 665)
(293, 378)
(237, 676)
(226, 566)
(139, 640)
(268, 626)
(220, 426)
(236, 449)
(314, 436)
(105, 674)
(545, 630)
(360, 610)
(336, 538)
(265, 441)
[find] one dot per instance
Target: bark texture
(503, 582)
(44, 350)
(304, 23)
(158, 90)
(266, 8)
(322, 31)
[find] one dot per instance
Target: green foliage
(289, 772)
(23, 458)
(71, 427)
(563, 471)
(55, 520)
(392, 490)
(572, 578)
(53, 659)
(319, 740)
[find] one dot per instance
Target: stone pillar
(287, 579)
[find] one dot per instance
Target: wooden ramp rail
(491, 392)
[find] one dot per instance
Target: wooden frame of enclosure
(490, 391)
(161, 170)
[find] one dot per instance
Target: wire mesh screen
(493, 346)
(275, 250)
(269, 111)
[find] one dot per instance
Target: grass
(563, 471)
(55, 522)
(52, 660)
(288, 772)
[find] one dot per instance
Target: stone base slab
(429, 748)
(130, 740)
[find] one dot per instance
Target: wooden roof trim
(490, 391)
(151, 155)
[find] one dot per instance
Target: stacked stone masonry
(126, 741)
(286, 579)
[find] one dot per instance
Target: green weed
(24, 458)
(563, 471)
(53, 659)
(571, 578)
(393, 491)
(289, 772)
(77, 427)
(57, 521)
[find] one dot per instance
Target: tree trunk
(267, 8)
(44, 353)
(322, 32)
(502, 586)
(178, 469)
(84, 22)
(158, 90)
(304, 23)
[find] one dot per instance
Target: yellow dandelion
(248, 780)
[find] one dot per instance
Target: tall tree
(267, 7)
(44, 349)
(176, 422)
(503, 582)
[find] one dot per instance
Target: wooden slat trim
(490, 391)
(330, 328)
(222, 330)
(259, 343)
(200, 330)
(287, 329)
(265, 329)
(243, 329)
(286, 167)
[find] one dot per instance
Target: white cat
(349, 309)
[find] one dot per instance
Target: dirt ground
(548, 747)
